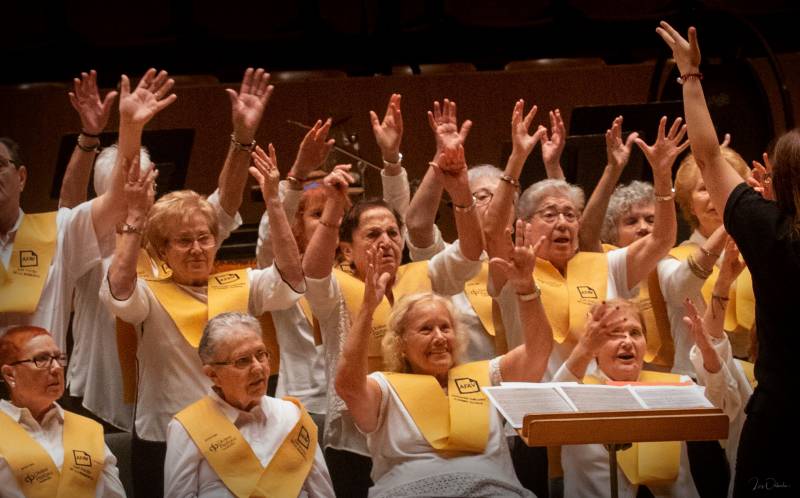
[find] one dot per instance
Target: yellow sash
(749, 371)
(22, 282)
(660, 345)
(231, 457)
(486, 308)
(654, 462)
(567, 300)
(410, 278)
(36, 473)
(227, 291)
(458, 422)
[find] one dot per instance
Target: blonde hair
(173, 210)
(688, 174)
(393, 342)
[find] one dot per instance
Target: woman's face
(635, 224)
(377, 227)
(243, 379)
(708, 218)
(622, 356)
(429, 339)
(36, 387)
(558, 220)
(190, 251)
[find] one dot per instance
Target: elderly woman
(237, 441)
(429, 428)
(182, 228)
(45, 450)
(612, 348)
(766, 233)
(335, 295)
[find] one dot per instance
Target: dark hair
(13, 150)
(786, 177)
(353, 217)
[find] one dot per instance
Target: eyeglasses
(243, 362)
(550, 215)
(45, 360)
(482, 197)
(5, 162)
(205, 240)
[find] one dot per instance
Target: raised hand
(522, 142)
(247, 106)
(685, 52)
(85, 99)
(389, 132)
(618, 152)
(444, 124)
(702, 337)
(450, 169)
(731, 265)
(761, 178)
(313, 151)
(337, 182)
(662, 154)
(518, 268)
(265, 171)
(149, 98)
(601, 326)
(139, 188)
(374, 283)
(553, 146)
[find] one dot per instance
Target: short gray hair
(484, 171)
(534, 195)
(624, 198)
(104, 166)
(220, 328)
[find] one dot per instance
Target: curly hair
(173, 210)
(624, 198)
(533, 196)
(393, 341)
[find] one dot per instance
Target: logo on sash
(38, 476)
(466, 385)
(587, 292)
(221, 444)
(82, 458)
(28, 259)
(226, 279)
(303, 441)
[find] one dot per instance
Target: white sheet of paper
(666, 397)
(516, 401)
(601, 398)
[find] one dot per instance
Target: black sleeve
(755, 223)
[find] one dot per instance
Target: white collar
(12, 233)
(234, 415)
(23, 416)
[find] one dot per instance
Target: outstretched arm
(644, 254)
(94, 114)
(617, 155)
(553, 146)
(362, 394)
(527, 362)
(719, 176)
(247, 109)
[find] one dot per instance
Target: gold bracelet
(696, 269)
(532, 296)
(464, 209)
(511, 180)
(664, 198)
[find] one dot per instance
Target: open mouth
(626, 356)
(561, 240)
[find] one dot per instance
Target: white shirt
(76, 253)
(94, 371)
(50, 434)
(402, 455)
(448, 271)
(170, 371)
(264, 427)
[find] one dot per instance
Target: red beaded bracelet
(684, 77)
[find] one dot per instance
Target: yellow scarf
(486, 308)
(36, 473)
(22, 282)
(228, 453)
(458, 422)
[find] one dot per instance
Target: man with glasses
(45, 450)
(237, 441)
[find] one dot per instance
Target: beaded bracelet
(511, 180)
(685, 77)
(240, 146)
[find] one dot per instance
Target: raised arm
(451, 171)
(362, 394)
(421, 214)
(719, 176)
(617, 155)
(389, 135)
(139, 197)
(136, 109)
(644, 254)
(527, 362)
(284, 246)
(247, 109)
(553, 146)
(603, 320)
(321, 250)
(94, 114)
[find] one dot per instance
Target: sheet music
(666, 397)
(602, 398)
(516, 401)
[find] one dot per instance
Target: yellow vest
(486, 308)
(36, 473)
(228, 453)
(22, 282)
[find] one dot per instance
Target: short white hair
(534, 195)
(624, 198)
(104, 166)
(222, 327)
(484, 171)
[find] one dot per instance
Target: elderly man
(237, 441)
(45, 450)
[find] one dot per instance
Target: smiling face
(377, 227)
(429, 339)
(240, 387)
(561, 233)
(190, 251)
(622, 356)
(35, 387)
(636, 223)
(708, 218)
